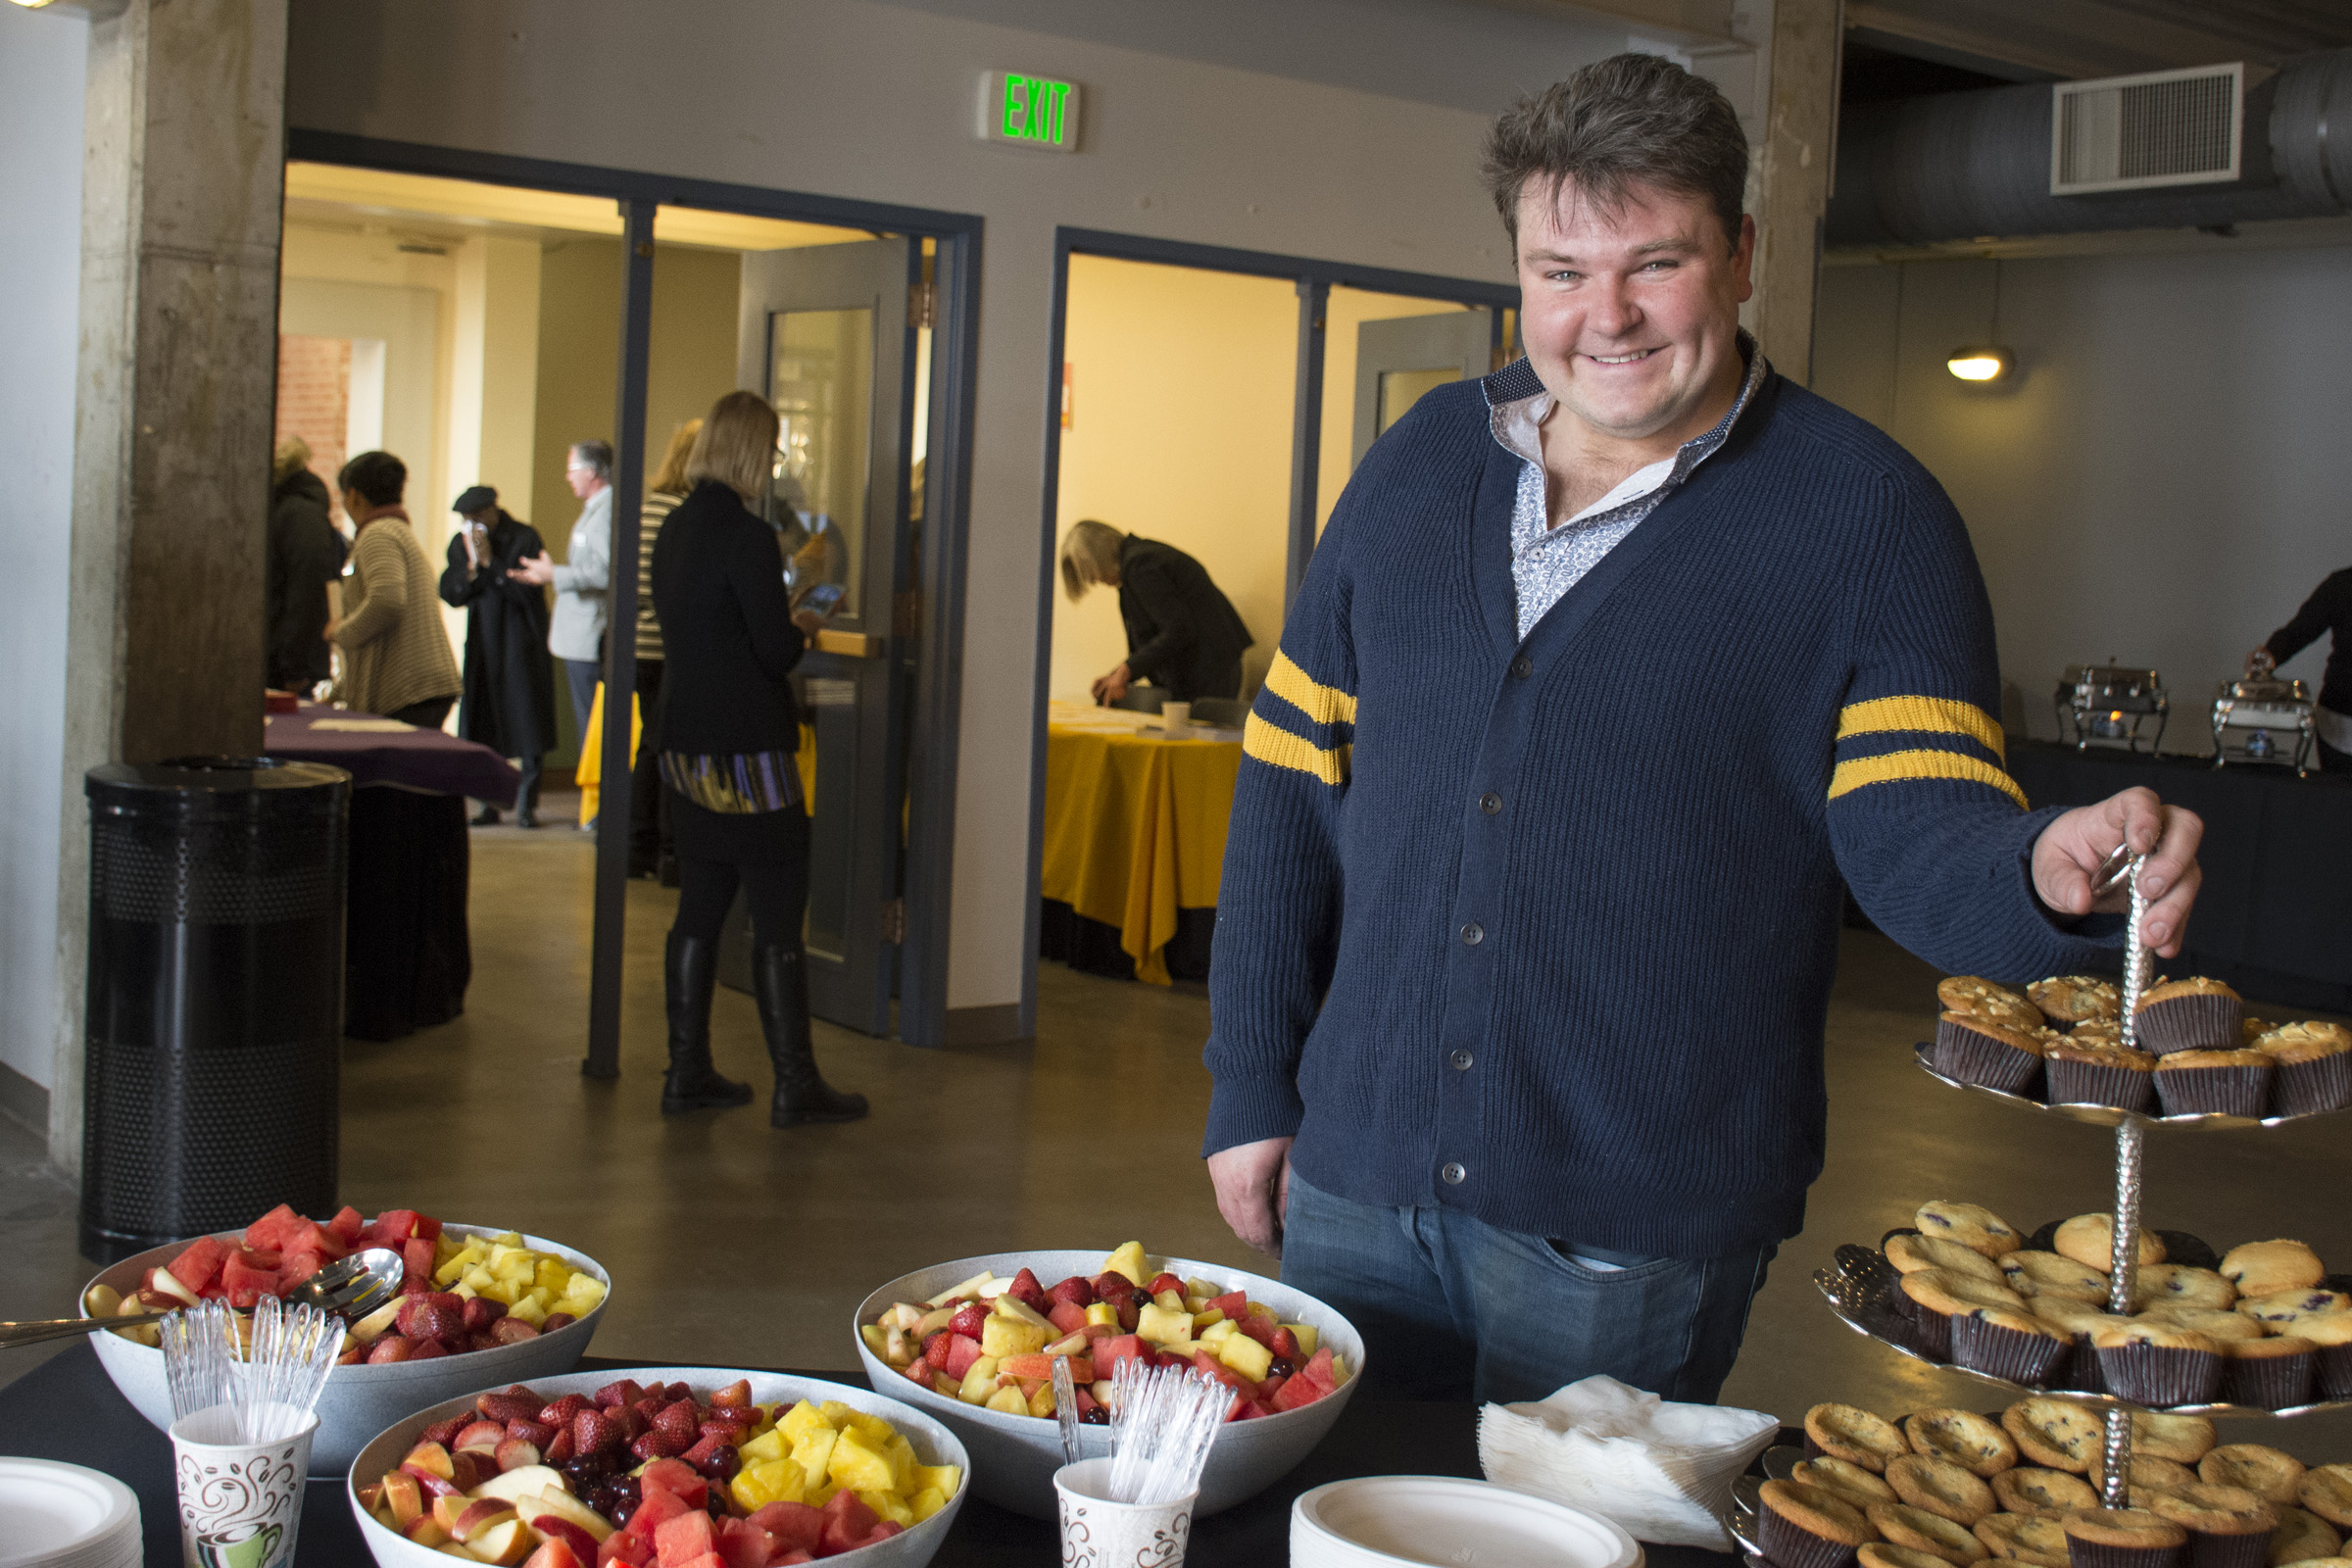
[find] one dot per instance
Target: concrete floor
(733, 1242)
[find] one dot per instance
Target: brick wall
(313, 399)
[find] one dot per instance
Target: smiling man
(1609, 674)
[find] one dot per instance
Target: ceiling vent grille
(2167, 127)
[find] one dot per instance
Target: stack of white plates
(63, 1516)
(1374, 1521)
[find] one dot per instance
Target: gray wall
(2165, 475)
(41, 58)
(1364, 150)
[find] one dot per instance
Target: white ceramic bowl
(913, 1547)
(360, 1400)
(1018, 1454)
(1374, 1520)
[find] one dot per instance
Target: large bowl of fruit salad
(661, 1466)
(425, 1348)
(973, 1342)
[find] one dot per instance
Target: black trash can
(215, 995)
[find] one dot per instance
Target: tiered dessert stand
(1862, 1288)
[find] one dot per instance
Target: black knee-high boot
(690, 973)
(780, 982)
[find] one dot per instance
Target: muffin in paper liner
(2315, 1067)
(1976, 1050)
(2011, 1346)
(1805, 1527)
(2189, 1015)
(2331, 1366)
(2078, 1076)
(2159, 1375)
(2269, 1374)
(2123, 1537)
(2226, 1083)
(2229, 1527)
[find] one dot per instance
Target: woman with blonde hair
(652, 849)
(727, 731)
(1182, 632)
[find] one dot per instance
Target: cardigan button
(1463, 1060)
(1473, 934)
(1523, 666)
(1453, 1174)
(1489, 802)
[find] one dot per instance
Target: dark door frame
(1314, 280)
(946, 530)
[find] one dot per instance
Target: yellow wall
(1181, 433)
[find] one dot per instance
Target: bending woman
(728, 729)
(1181, 633)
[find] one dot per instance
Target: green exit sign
(1029, 110)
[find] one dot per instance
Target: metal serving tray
(2106, 1115)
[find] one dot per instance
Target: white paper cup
(240, 1503)
(1098, 1533)
(1176, 719)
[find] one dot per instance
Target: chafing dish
(2264, 719)
(2110, 704)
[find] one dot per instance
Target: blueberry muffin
(2214, 1324)
(1975, 1443)
(2331, 1334)
(1973, 1227)
(2186, 1014)
(1855, 1436)
(1983, 998)
(2122, 1538)
(2293, 1306)
(2042, 1494)
(2053, 1434)
(2270, 1474)
(1936, 1298)
(2090, 1240)
(2315, 1067)
(2008, 1344)
(2159, 1364)
(2200, 1081)
(2269, 1374)
(2036, 1275)
(1805, 1527)
(2265, 1269)
(1909, 1254)
(2177, 1284)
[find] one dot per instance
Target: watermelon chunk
(1296, 1391)
(271, 1231)
(884, 1531)
(395, 1226)
(416, 1257)
(199, 1263)
(1318, 1370)
(849, 1524)
(311, 1237)
(683, 1539)
(796, 1525)
(297, 1267)
(745, 1545)
(1260, 1329)
(1067, 1316)
(245, 1279)
(346, 1225)
(622, 1547)
(1233, 1303)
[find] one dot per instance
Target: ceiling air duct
(2173, 149)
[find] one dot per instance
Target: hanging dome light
(1979, 363)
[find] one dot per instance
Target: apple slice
(424, 1531)
(558, 1507)
(507, 1542)
(479, 1514)
(448, 1509)
(510, 1487)
(977, 1285)
(550, 1528)
(367, 1329)
(429, 1458)
(403, 1496)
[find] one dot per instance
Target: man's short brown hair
(1620, 122)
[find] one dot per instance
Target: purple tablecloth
(414, 759)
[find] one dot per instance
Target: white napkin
(1662, 1471)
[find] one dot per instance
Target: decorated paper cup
(1100, 1531)
(240, 1503)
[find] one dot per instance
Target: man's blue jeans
(1451, 1307)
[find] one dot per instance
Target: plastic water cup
(1176, 719)
(240, 1503)
(1098, 1532)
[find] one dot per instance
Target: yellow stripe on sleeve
(1895, 766)
(1936, 715)
(1325, 705)
(1277, 746)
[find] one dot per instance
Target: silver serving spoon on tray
(353, 1286)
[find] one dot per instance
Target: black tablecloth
(408, 954)
(68, 1410)
(1091, 947)
(2274, 915)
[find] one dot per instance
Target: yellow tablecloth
(1134, 825)
(590, 774)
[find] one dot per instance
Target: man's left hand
(537, 569)
(2069, 851)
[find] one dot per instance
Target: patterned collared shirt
(1547, 561)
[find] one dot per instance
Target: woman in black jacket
(727, 731)
(1182, 632)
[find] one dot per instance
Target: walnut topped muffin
(2075, 999)
(1979, 997)
(2185, 1014)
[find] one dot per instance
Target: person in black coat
(1181, 633)
(510, 701)
(728, 731)
(305, 555)
(2329, 613)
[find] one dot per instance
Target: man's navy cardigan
(1544, 931)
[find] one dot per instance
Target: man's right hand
(1254, 1191)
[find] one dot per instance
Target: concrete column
(1792, 176)
(184, 168)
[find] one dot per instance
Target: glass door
(825, 334)
(1399, 359)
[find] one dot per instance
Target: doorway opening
(856, 319)
(1212, 403)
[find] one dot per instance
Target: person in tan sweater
(395, 655)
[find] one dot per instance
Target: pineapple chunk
(1102, 1312)
(768, 1446)
(1162, 1326)
(1008, 1400)
(527, 1310)
(801, 1420)
(757, 1485)
(1128, 1260)
(944, 1478)
(1002, 1336)
(1308, 1335)
(924, 1503)
(1006, 1307)
(902, 1462)
(553, 1273)
(889, 1505)
(584, 1288)
(1245, 1356)
(1042, 1401)
(813, 1453)
(1216, 1334)
(1338, 1370)
(856, 1464)
(979, 1382)
(1197, 1286)
(848, 1418)
(1207, 1319)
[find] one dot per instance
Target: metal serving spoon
(356, 1285)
